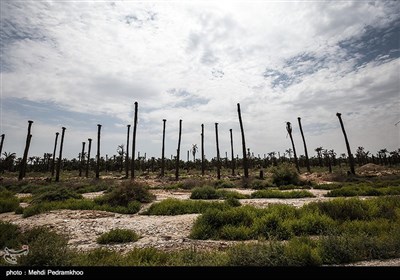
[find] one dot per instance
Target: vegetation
(8, 202)
(340, 216)
(285, 174)
(118, 236)
(281, 194)
(179, 207)
(208, 192)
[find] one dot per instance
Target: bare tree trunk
(88, 158)
(163, 150)
(351, 159)
(53, 163)
(60, 155)
(203, 168)
(232, 155)
(245, 166)
(1, 143)
(134, 142)
(289, 130)
(127, 153)
(82, 161)
(98, 152)
(178, 151)
(218, 159)
(305, 146)
(24, 158)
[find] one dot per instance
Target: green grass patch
(280, 194)
(118, 236)
(8, 202)
(172, 207)
(363, 190)
(208, 192)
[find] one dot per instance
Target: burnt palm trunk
(202, 151)
(88, 158)
(163, 150)
(25, 156)
(351, 159)
(127, 153)
(1, 148)
(60, 155)
(218, 158)
(134, 142)
(98, 152)
(1, 143)
(178, 151)
(232, 155)
(289, 130)
(305, 146)
(82, 161)
(245, 166)
(53, 162)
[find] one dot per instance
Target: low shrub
(126, 193)
(8, 235)
(55, 194)
(205, 192)
(285, 174)
(280, 194)
(8, 202)
(179, 207)
(118, 236)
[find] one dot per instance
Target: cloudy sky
(82, 63)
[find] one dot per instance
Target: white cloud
(100, 57)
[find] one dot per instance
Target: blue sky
(82, 63)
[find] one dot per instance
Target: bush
(271, 226)
(285, 174)
(311, 224)
(272, 254)
(8, 202)
(8, 235)
(222, 184)
(179, 207)
(363, 191)
(46, 248)
(280, 194)
(55, 194)
(126, 193)
(118, 236)
(205, 192)
(230, 194)
(234, 202)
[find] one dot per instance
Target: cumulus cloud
(89, 61)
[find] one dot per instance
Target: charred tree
(351, 159)
(25, 156)
(127, 153)
(163, 150)
(88, 157)
(203, 167)
(134, 142)
(98, 152)
(305, 146)
(60, 155)
(232, 154)
(245, 164)
(218, 157)
(289, 130)
(178, 151)
(82, 161)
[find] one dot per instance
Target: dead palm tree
(305, 146)
(194, 151)
(351, 159)
(218, 156)
(232, 154)
(27, 144)
(88, 158)
(245, 166)
(178, 151)
(127, 153)
(53, 165)
(60, 155)
(82, 159)
(289, 130)
(1, 143)
(163, 149)
(134, 142)
(98, 152)
(202, 150)
(319, 155)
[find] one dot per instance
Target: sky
(81, 63)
